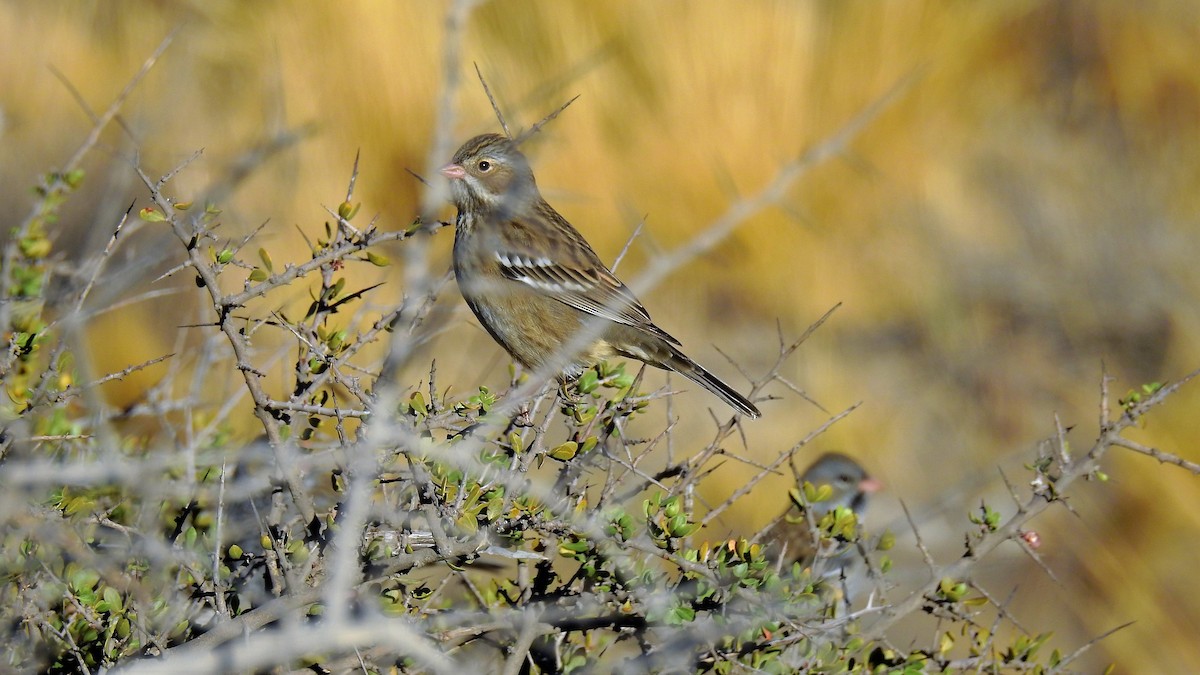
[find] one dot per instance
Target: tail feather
(681, 364)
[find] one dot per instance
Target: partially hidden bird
(538, 287)
(792, 539)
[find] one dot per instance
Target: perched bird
(792, 539)
(538, 287)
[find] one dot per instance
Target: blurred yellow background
(1023, 214)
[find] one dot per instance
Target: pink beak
(453, 172)
(870, 485)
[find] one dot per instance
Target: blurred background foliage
(1022, 215)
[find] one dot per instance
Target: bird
(791, 539)
(538, 287)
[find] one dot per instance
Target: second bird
(538, 287)
(791, 537)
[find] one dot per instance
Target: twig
(1109, 436)
(1163, 457)
(526, 135)
(520, 649)
(770, 468)
(492, 100)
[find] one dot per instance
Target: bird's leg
(569, 392)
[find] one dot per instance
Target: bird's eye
(484, 165)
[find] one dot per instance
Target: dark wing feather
(569, 271)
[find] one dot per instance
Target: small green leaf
(84, 580)
(417, 402)
(152, 215)
(35, 247)
(886, 541)
(568, 549)
(951, 590)
(73, 178)
(679, 526)
(945, 642)
(113, 597)
(565, 451)
(347, 211)
(682, 615)
(588, 443)
(588, 381)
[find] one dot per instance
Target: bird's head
(489, 173)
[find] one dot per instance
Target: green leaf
(951, 590)
(886, 541)
(84, 580)
(417, 402)
(587, 382)
(35, 247)
(73, 178)
(682, 615)
(588, 444)
(152, 215)
(347, 211)
(113, 597)
(266, 260)
(678, 526)
(565, 451)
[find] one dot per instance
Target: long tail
(681, 364)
